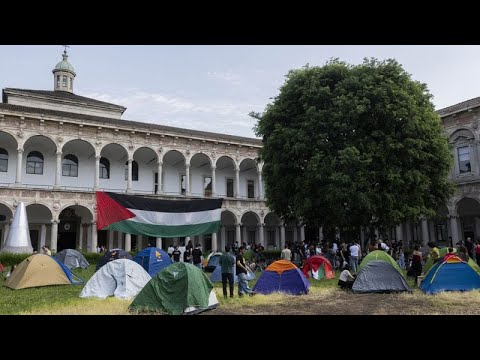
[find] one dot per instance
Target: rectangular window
(64, 82)
(34, 167)
(70, 83)
(464, 159)
(441, 231)
(207, 186)
(155, 181)
(229, 187)
(3, 165)
(70, 170)
(250, 189)
(183, 184)
(104, 173)
(58, 80)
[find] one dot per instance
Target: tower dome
(63, 74)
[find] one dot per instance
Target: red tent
(318, 267)
(2, 269)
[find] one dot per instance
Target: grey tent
(379, 277)
(72, 259)
(122, 278)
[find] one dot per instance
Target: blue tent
(452, 274)
(282, 276)
(153, 260)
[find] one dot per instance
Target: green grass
(25, 300)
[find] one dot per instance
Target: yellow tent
(37, 270)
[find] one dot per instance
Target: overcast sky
(213, 88)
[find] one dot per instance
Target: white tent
(122, 278)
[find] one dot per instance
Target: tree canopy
(354, 145)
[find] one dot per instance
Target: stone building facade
(58, 148)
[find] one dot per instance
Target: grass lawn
(323, 298)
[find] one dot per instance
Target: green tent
(379, 255)
(177, 289)
(443, 251)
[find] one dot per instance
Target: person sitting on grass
(346, 279)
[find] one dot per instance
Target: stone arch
(201, 154)
(229, 214)
(201, 175)
(113, 143)
(225, 157)
(31, 137)
(461, 134)
(253, 213)
(75, 220)
(6, 209)
(173, 151)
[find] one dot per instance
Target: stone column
(80, 237)
(295, 233)
(97, 173)
(43, 236)
(302, 233)
(139, 242)
(214, 180)
(237, 182)
(159, 179)
(260, 187)
(238, 237)
(128, 242)
(6, 229)
(431, 230)
(454, 227)
(119, 240)
(89, 237)
(244, 233)
(223, 237)
(477, 228)
(320, 233)
(58, 171)
(158, 243)
(54, 235)
(399, 233)
(425, 237)
(129, 181)
(261, 234)
(18, 178)
(409, 236)
(282, 236)
(187, 179)
(215, 243)
(94, 237)
(277, 237)
(111, 235)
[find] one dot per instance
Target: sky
(214, 87)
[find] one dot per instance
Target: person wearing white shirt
(346, 279)
(354, 250)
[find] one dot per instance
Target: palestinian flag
(158, 218)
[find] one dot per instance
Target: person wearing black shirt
(197, 256)
(243, 287)
(176, 254)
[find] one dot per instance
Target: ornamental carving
(20, 134)
(27, 193)
(68, 196)
(60, 139)
(475, 125)
(56, 206)
(45, 195)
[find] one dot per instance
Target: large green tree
(354, 145)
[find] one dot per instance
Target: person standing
(242, 271)
(354, 250)
(286, 253)
(197, 256)
(227, 262)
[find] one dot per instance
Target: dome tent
(452, 274)
(121, 278)
(111, 255)
(153, 260)
(72, 259)
(379, 276)
(379, 255)
(180, 288)
(41, 270)
(283, 276)
(318, 267)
